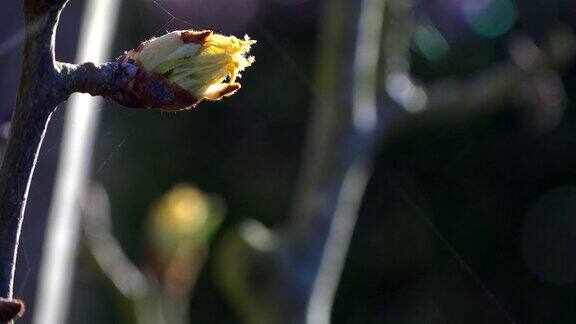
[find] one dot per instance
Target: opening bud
(184, 67)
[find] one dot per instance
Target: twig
(363, 125)
(35, 102)
(341, 206)
(353, 114)
(43, 85)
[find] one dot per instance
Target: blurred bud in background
(248, 264)
(180, 227)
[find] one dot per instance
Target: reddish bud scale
(156, 91)
(140, 47)
(196, 37)
(149, 90)
(229, 89)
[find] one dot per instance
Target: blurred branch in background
(107, 251)
(531, 75)
(112, 260)
(305, 258)
(180, 228)
(366, 91)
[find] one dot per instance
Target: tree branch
(44, 84)
(37, 98)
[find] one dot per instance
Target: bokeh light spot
(430, 42)
(404, 92)
(489, 18)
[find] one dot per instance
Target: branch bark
(96, 79)
(44, 83)
(37, 98)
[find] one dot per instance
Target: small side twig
(11, 309)
(97, 79)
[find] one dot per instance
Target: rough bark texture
(44, 84)
(96, 79)
(37, 97)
